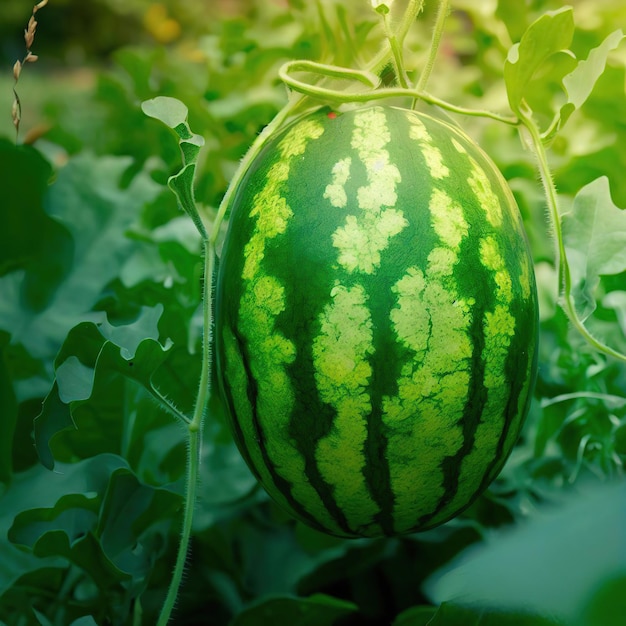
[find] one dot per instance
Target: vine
(361, 85)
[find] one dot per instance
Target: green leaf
(607, 605)
(89, 359)
(173, 113)
(8, 414)
(38, 488)
(449, 614)
(86, 620)
(580, 83)
(100, 248)
(594, 233)
(75, 514)
(28, 234)
(546, 565)
(130, 513)
(550, 33)
(317, 610)
(110, 532)
(416, 616)
(170, 111)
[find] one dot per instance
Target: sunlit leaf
(173, 113)
(594, 232)
(580, 83)
(550, 33)
(549, 564)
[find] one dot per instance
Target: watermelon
(376, 320)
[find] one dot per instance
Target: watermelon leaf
(97, 235)
(173, 113)
(37, 489)
(550, 576)
(594, 232)
(91, 356)
(580, 82)
(550, 33)
(450, 614)
(103, 529)
(8, 411)
(317, 610)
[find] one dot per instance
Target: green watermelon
(376, 320)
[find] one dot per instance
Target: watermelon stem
(372, 94)
(562, 263)
(442, 14)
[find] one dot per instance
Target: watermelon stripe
(262, 301)
(498, 329)
(362, 239)
(420, 436)
(432, 155)
(342, 376)
(342, 367)
(257, 456)
(335, 192)
(376, 320)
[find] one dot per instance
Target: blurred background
(81, 109)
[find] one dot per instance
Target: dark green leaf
(317, 610)
(416, 616)
(39, 488)
(8, 413)
(607, 605)
(100, 247)
(86, 364)
(130, 512)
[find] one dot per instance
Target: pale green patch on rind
(295, 141)
(498, 329)
(236, 374)
(423, 419)
(524, 277)
(270, 351)
(488, 200)
(491, 258)
(448, 220)
(432, 155)
(336, 191)
(459, 147)
(342, 374)
(363, 238)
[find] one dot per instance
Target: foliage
(101, 332)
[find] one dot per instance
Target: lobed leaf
(89, 358)
(8, 414)
(559, 559)
(317, 610)
(547, 35)
(97, 249)
(594, 232)
(580, 82)
(173, 113)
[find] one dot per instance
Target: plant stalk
(442, 15)
(562, 264)
(195, 434)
